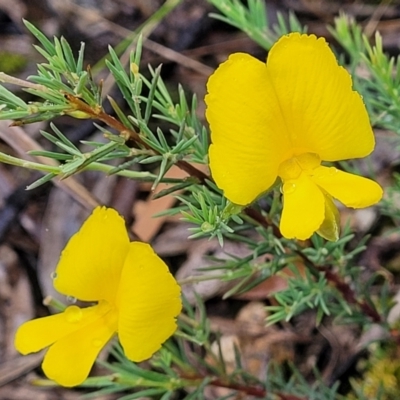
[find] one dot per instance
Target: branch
(262, 220)
(343, 287)
(349, 295)
(255, 391)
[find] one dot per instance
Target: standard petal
(322, 112)
(40, 333)
(149, 302)
(303, 208)
(69, 360)
(248, 132)
(352, 190)
(91, 263)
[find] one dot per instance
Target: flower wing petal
(303, 208)
(248, 132)
(91, 263)
(40, 333)
(323, 114)
(352, 190)
(69, 360)
(149, 301)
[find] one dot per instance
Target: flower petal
(352, 190)
(149, 301)
(91, 263)
(248, 132)
(40, 333)
(69, 360)
(322, 112)
(330, 228)
(303, 208)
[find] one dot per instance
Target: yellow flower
(282, 119)
(135, 293)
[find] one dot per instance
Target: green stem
(96, 166)
(198, 278)
(7, 159)
(142, 175)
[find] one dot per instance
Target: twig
(343, 287)
(4, 78)
(349, 294)
(262, 220)
(252, 390)
(111, 122)
(255, 391)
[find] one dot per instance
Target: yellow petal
(248, 132)
(303, 208)
(330, 228)
(322, 112)
(91, 263)
(352, 190)
(69, 360)
(40, 333)
(149, 301)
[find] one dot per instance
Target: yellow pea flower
(136, 297)
(282, 119)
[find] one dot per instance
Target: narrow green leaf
(63, 138)
(81, 55)
(120, 114)
(40, 37)
(179, 186)
(41, 181)
(11, 98)
(68, 55)
(150, 98)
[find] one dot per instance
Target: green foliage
(380, 77)
(390, 203)
(178, 366)
(253, 20)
